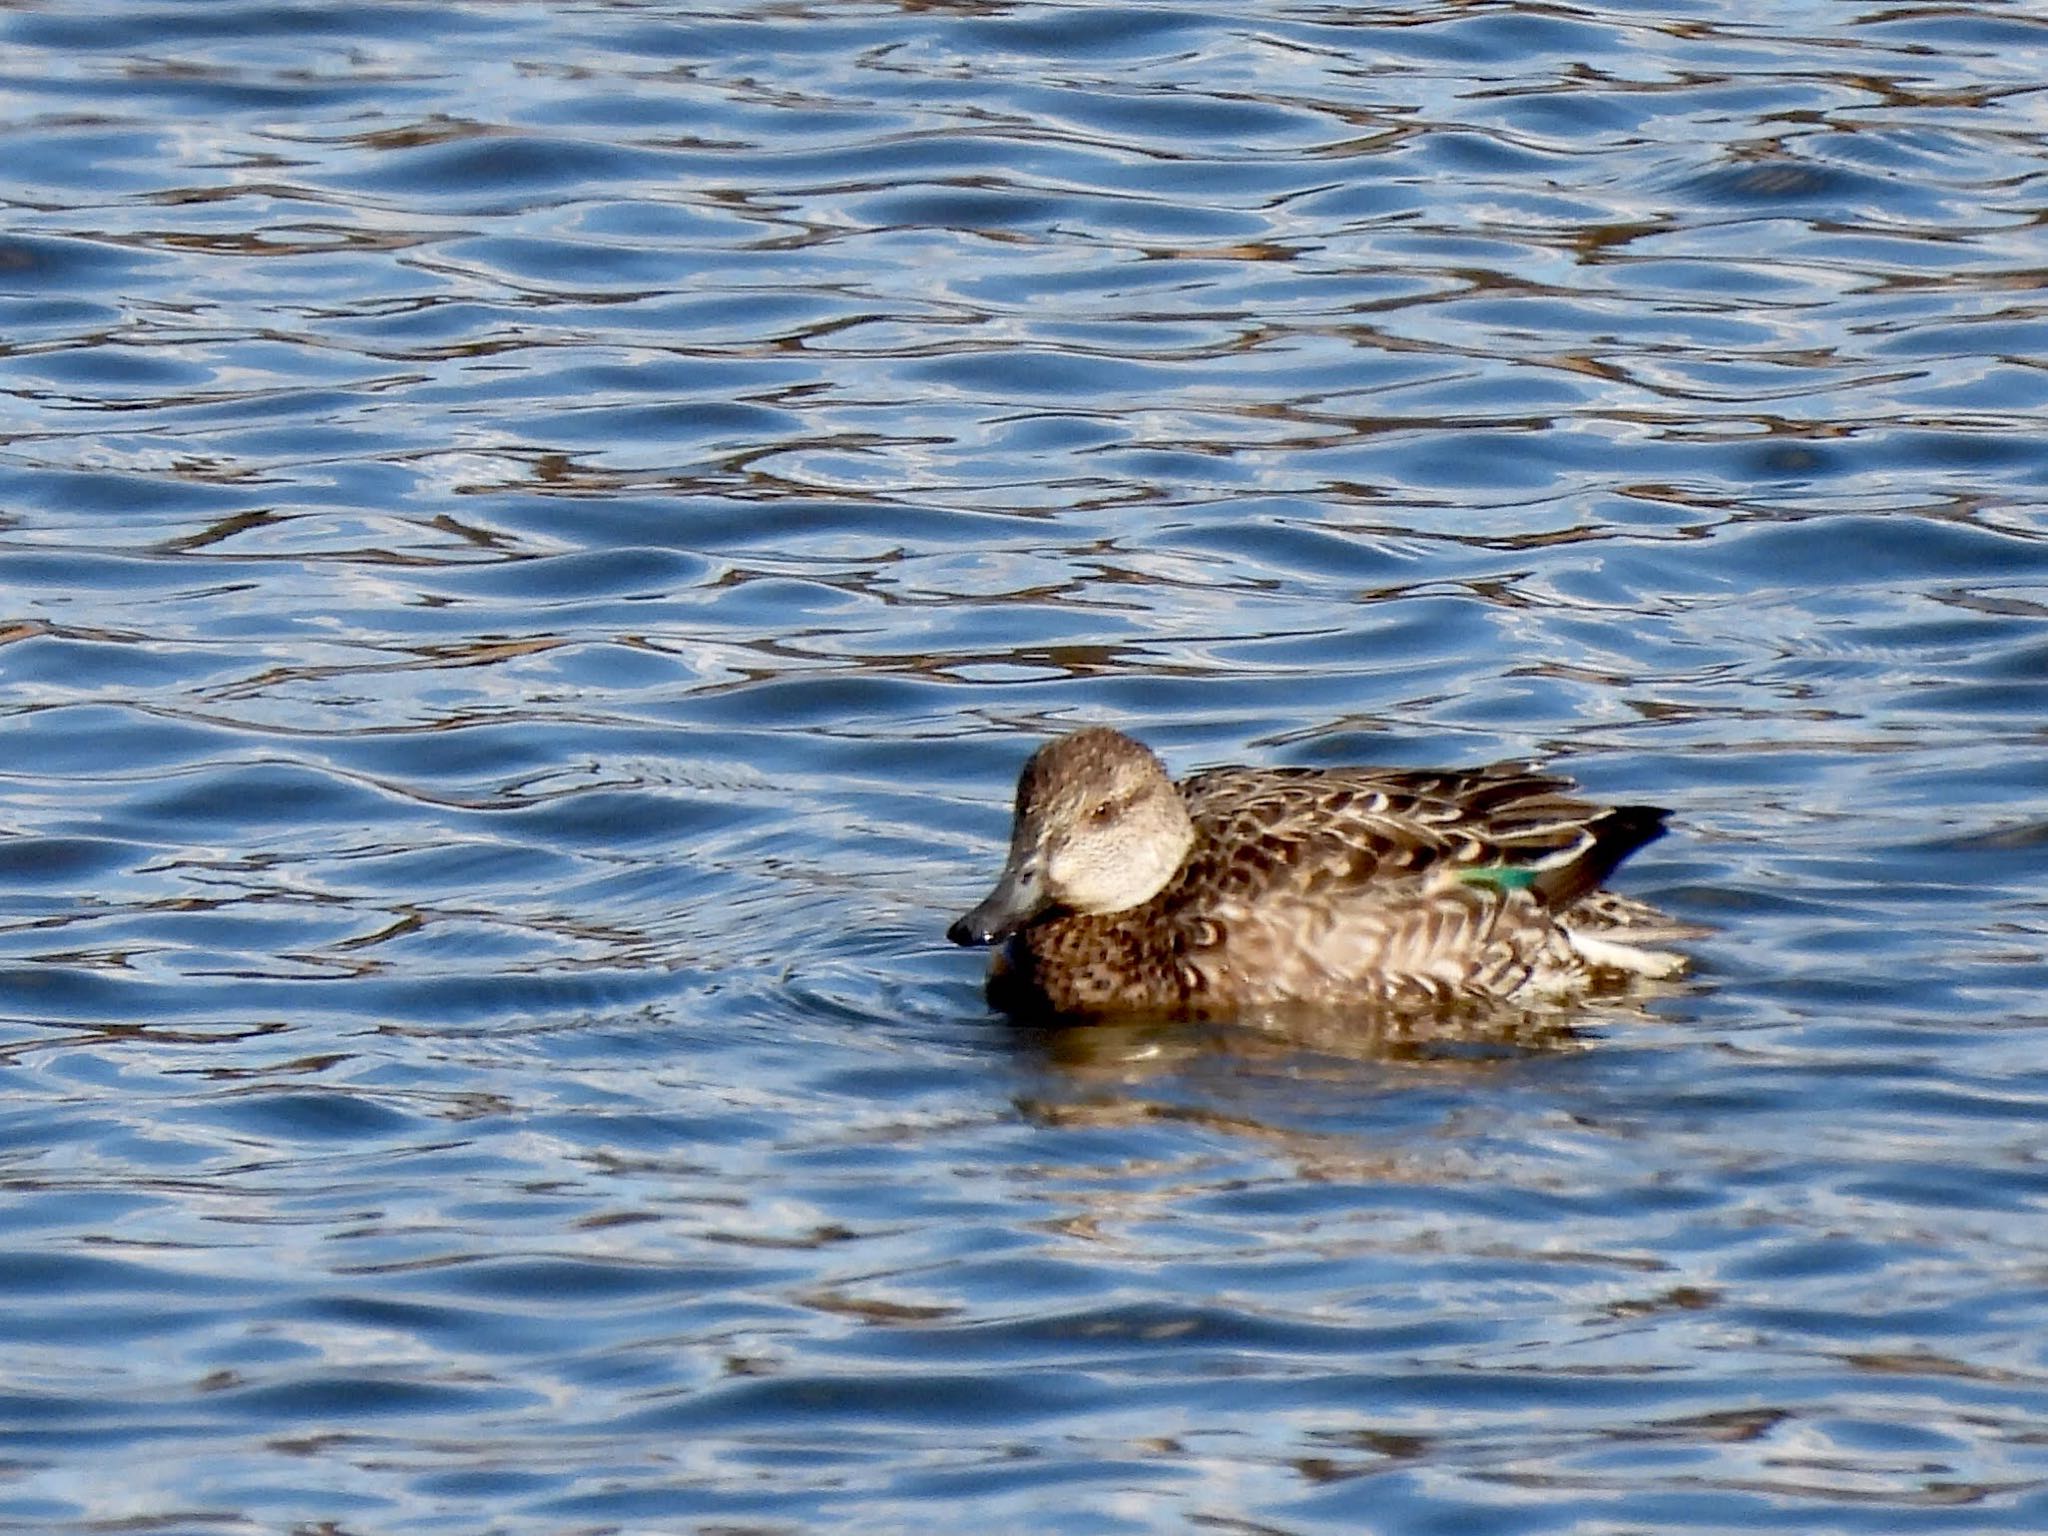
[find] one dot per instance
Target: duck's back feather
(1315, 832)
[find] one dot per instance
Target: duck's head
(1100, 828)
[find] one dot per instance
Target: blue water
(533, 542)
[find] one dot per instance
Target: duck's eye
(1103, 813)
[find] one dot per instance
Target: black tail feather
(1616, 834)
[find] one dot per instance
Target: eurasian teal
(1248, 887)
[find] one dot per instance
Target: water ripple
(533, 541)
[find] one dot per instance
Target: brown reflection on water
(1311, 1041)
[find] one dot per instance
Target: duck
(1244, 888)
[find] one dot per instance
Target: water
(534, 539)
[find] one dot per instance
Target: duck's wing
(1312, 834)
(1400, 884)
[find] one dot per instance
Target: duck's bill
(1018, 897)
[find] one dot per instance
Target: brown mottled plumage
(1248, 887)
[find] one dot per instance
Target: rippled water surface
(535, 537)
